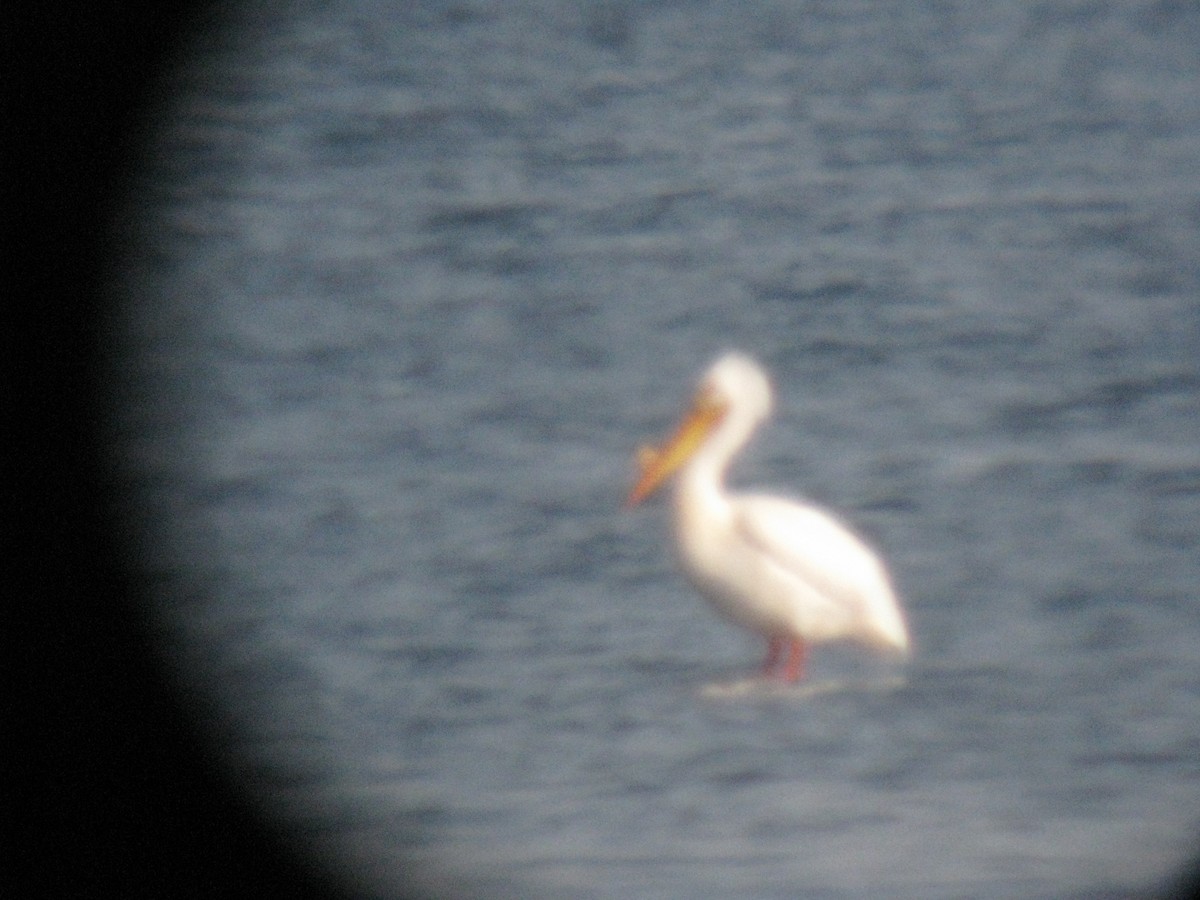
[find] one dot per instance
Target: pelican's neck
(703, 477)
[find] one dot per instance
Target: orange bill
(656, 464)
(646, 457)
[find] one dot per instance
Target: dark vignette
(110, 793)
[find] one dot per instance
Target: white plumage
(787, 570)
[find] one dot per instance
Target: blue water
(407, 284)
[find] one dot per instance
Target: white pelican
(787, 570)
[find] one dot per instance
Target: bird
(788, 570)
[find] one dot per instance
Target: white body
(786, 570)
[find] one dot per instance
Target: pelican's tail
(886, 628)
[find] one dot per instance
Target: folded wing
(838, 583)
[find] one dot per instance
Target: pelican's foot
(793, 666)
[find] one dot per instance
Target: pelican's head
(734, 396)
(741, 384)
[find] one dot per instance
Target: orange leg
(797, 652)
(774, 651)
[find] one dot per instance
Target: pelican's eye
(709, 400)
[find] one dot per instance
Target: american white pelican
(787, 570)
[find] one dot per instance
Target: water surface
(411, 283)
